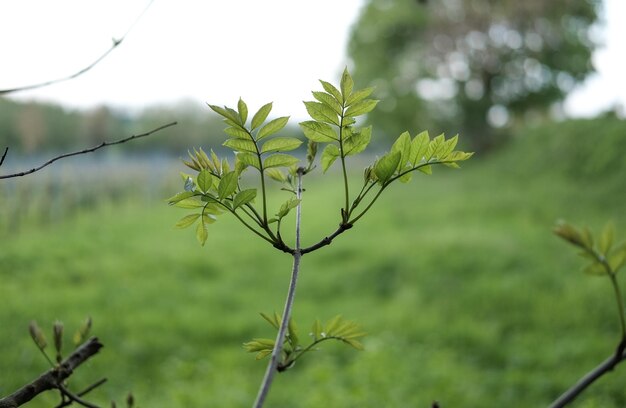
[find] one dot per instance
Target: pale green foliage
(606, 257)
(58, 332)
(339, 109)
(217, 186)
(337, 328)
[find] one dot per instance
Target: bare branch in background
(84, 392)
(116, 42)
(93, 149)
(4, 155)
(53, 378)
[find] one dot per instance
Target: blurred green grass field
(466, 295)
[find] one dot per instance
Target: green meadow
(466, 295)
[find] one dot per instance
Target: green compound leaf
(618, 258)
(241, 145)
(238, 133)
(450, 144)
(332, 325)
(436, 147)
(316, 330)
(357, 142)
(292, 334)
(426, 169)
(226, 113)
(321, 113)
(273, 320)
(204, 180)
(419, 148)
(243, 110)
(330, 88)
(208, 218)
(263, 347)
(189, 203)
(244, 197)
(228, 185)
(318, 132)
(386, 166)
(280, 160)
(403, 146)
(249, 159)
(276, 174)
(287, 207)
(606, 238)
(329, 155)
(361, 108)
(179, 197)
(272, 127)
(329, 101)
(359, 95)
(281, 144)
(595, 269)
(459, 156)
(346, 84)
(187, 221)
(202, 233)
(261, 115)
(82, 333)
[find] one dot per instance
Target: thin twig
(605, 367)
(116, 43)
(75, 398)
(280, 338)
(53, 377)
(83, 393)
(93, 149)
(6, 150)
(327, 240)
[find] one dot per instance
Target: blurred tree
(470, 65)
(101, 124)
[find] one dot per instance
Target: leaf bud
(37, 335)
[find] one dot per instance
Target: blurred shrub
(586, 149)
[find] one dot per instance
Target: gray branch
(280, 338)
(93, 149)
(116, 43)
(53, 378)
(605, 367)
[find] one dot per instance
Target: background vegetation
(466, 295)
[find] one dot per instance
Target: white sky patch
(607, 88)
(210, 51)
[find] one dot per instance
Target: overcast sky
(210, 51)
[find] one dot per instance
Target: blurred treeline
(32, 127)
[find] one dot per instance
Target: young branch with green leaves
(217, 188)
(605, 259)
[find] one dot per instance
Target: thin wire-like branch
(53, 377)
(391, 180)
(280, 338)
(83, 393)
(307, 349)
(116, 43)
(75, 398)
(93, 149)
(605, 367)
(6, 150)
